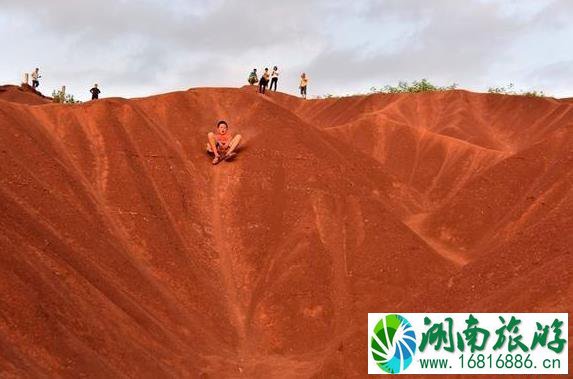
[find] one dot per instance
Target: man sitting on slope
(222, 144)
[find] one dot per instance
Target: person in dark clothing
(264, 82)
(274, 78)
(95, 92)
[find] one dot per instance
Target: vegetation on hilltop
(424, 85)
(510, 90)
(60, 96)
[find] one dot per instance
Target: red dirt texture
(125, 253)
(24, 94)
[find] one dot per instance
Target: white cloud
(134, 48)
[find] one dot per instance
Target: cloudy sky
(142, 47)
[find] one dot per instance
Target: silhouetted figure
(264, 81)
(95, 92)
(274, 78)
(36, 78)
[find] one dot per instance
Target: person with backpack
(274, 78)
(264, 81)
(253, 77)
(95, 92)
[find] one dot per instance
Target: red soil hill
(23, 95)
(125, 253)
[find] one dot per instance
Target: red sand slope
(125, 253)
(23, 95)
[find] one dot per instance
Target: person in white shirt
(274, 78)
(36, 78)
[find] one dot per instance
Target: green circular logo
(393, 344)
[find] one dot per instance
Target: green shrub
(510, 90)
(424, 85)
(533, 93)
(61, 97)
(506, 90)
(415, 87)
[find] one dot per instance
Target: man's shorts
(217, 145)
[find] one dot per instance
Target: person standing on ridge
(264, 81)
(253, 79)
(222, 144)
(274, 78)
(95, 92)
(303, 84)
(36, 78)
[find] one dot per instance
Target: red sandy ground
(125, 253)
(24, 94)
